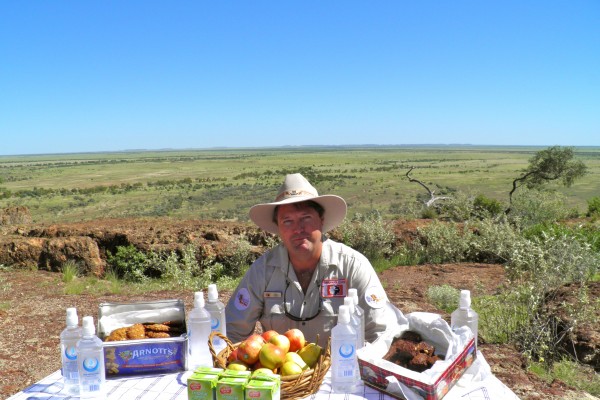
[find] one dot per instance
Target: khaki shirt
(271, 279)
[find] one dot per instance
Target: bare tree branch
(432, 197)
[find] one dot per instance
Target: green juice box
(262, 390)
(230, 388)
(233, 373)
(202, 386)
(209, 370)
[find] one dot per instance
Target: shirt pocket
(274, 316)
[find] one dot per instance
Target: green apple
(295, 357)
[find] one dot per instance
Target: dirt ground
(33, 303)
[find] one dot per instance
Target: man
(302, 281)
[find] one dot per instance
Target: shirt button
(304, 323)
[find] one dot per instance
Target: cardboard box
(430, 385)
(202, 386)
(143, 356)
(231, 388)
(257, 389)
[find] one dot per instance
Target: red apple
(281, 341)
(248, 350)
(233, 355)
(296, 337)
(271, 356)
(269, 334)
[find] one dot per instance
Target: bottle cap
(72, 319)
(88, 326)
(353, 292)
(213, 294)
(343, 315)
(465, 299)
(349, 301)
(199, 299)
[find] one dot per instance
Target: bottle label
(71, 353)
(345, 369)
(91, 364)
(346, 350)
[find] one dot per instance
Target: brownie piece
(432, 359)
(419, 363)
(401, 349)
(424, 347)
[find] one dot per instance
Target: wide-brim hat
(295, 189)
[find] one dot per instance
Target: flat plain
(224, 183)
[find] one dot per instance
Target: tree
(432, 197)
(552, 164)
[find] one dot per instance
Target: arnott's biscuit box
(143, 337)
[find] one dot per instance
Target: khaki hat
(296, 189)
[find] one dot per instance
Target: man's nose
(299, 226)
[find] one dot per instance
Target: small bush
(459, 207)
(238, 258)
(128, 263)
(444, 297)
(429, 213)
(486, 207)
(369, 234)
(503, 315)
(593, 207)
(532, 207)
(445, 242)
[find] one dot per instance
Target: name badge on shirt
(334, 288)
(269, 295)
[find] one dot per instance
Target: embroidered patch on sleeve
(242, 299)
(375, 297)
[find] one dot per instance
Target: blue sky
(115, 75)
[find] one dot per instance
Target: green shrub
(445, 242)
(429, 213)
(238, 258)
(369, 234)
(486, 207)
(128, 263)
(180, 270)
(444, 297)
(593, 207)
(494, 241)
(532, 207)
(503, 315)
(458, 208)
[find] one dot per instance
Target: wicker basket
(292, 386)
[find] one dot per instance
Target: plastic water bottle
(360, 312)
(354, 320)
(199, 328)
(217, 317)
(464, 315)
(90, 362)
(68, 343)
(344, 364)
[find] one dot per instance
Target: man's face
(300, 229)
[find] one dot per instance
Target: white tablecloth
(174, 387)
